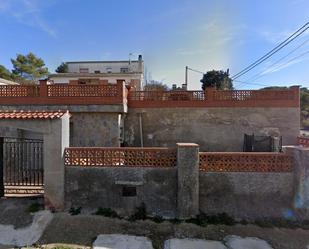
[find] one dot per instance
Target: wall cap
(132, 183)
(187, 145)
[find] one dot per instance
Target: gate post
(1, 168)
(188, 180)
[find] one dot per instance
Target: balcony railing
(62, 94)
(65, 94)
(215, 98)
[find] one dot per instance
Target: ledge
(130, 183)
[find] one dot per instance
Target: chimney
(140, 66)
(174, 87)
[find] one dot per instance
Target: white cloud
(277, 37)
(27, 12)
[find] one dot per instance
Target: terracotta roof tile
(31, 114)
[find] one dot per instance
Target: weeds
(75, 211)
(35, 207)
(140, 214)
(107, 212)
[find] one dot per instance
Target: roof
(31, 114)
(7, 82)
(95, 75)
(78, 62)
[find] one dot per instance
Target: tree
(62, 68)
(155, 86)
(218, 79)
(29, 67)
(5, 73)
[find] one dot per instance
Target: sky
(170, 34)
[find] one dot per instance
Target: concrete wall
(247, 195)
(95, 129)
(214, 129)
(92, 188)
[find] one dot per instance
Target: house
(103, 72)
(7, 82)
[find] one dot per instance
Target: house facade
(102, 72)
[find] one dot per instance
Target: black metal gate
(23, 166)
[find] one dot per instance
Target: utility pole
(186, 74)
(186, 77)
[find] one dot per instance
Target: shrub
(140, 214)
(204, 219)
(107, 212)
(75, 211)
(35, 207)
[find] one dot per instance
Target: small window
(84, 70)
(97, 71)
(128, 191)
(124, 70)
(109, 70)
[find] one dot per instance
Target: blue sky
(170, 34)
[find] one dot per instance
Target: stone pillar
(54, 144)
(301, 176)
(188, 180)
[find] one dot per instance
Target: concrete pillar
(301, 176)
(188, 180)
(54, 144)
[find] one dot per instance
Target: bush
(157, 219)
(35, 207)
(107, 212)
(140, 214)
(75, 211)
(204, 219)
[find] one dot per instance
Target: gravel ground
(83, 229)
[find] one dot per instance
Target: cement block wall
(247, 195)
(96, 187)
(95, 129)
(214, 129)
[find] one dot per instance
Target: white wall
(103, 67)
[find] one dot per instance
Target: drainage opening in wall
(128, 191)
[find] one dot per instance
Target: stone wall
(95, 129)
(96, 187)
(247, 195)
(214, 129)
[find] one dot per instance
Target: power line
(282, 65)
(194, 70)
(291, 60)
(273, 51)
(249, 83)
(254, 77)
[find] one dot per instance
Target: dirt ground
(15, 211)
(82, 230)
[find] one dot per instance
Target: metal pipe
(141, 129)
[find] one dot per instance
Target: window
(109, 70)
(84, 70)
(97, 71)
(128, 191)
(124, 70)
